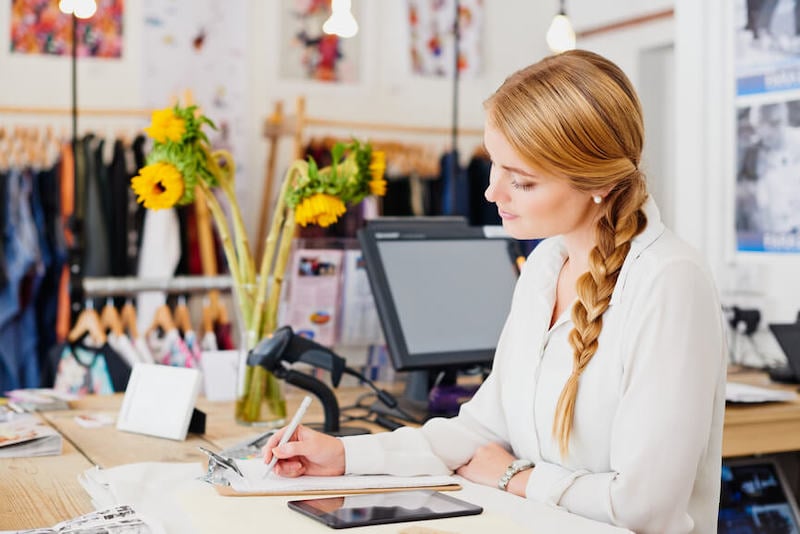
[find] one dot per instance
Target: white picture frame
(159, 401)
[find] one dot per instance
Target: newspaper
(121, 519)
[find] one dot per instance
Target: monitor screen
(442, 301)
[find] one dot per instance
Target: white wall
(513, 35)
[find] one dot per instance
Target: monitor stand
(413, 405)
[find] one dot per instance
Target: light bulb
(341, 21)
(560, 35)
(66, 6)
(84, 9)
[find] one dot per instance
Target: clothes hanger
(128, 318)
(88, 323)
(162, 319)
(110, 319)
(181, 315)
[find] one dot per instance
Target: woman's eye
(522, 186)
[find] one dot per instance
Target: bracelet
(515, 467)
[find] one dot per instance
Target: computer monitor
(442, 292)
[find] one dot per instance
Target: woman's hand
(307, 452)
(487, 465)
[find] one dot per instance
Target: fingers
(289, 468)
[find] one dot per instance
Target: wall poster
(767, 70)
(39, 27)
(308, 53)
(432, 37)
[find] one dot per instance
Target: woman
(606, 395)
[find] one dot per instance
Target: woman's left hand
(487, 465)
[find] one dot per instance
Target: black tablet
(381, 508)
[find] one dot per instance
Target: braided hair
(577, 115)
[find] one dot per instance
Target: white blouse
(646, 442)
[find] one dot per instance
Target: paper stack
(25, 435)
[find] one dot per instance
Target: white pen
(289, 431)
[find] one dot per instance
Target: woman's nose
(492, 192)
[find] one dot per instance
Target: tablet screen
(381, 508)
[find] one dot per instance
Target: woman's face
(531, 203)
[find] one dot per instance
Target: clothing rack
(89, 112)
(279, 125)
(129, 285)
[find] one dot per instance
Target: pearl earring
(597, 199)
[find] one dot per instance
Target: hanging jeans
(19, 365)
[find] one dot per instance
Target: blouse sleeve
(664, 421)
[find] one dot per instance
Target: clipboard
(231, 478)
(228, 491)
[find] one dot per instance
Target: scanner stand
(276, 354)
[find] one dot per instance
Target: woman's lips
(506, 216)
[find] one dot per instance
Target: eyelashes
(522, 187)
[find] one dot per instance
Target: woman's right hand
(307, 452)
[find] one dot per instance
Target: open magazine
(25, 435)
(122, 519)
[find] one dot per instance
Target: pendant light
(560, 36)
(341, 21)
(82, 9)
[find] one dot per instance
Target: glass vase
(260, 399)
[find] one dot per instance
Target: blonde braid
(620, 222)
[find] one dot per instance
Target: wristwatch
(515, 467)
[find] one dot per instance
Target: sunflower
(166, 125)
(320, 209)
(377, 185)
(158, 186)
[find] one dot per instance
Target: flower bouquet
(182, 162)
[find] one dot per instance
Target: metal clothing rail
(96, 112)
(101, 287)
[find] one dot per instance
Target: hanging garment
(66, 187)
(83, 370)
(19, 365)
(160, 254)
(3, 204)
(169, 348)
(96, 261)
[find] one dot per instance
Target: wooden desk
(761, 428)
(38, 492)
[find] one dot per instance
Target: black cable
(384, 396)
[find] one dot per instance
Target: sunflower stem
(267, 260)
(227, 245)
(226, 177)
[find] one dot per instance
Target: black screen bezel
(306, 507)
(402, 359)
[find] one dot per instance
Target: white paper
(255, 482)
(736, 392)
(219, 374)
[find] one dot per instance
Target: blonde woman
(606, 395)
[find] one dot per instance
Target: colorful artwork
(432, 36)
(307, 53)
(39, 27)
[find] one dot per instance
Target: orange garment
(67, 186)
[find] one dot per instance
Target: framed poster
(767, 107)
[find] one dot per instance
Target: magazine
(25, 436)
(121, 519)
